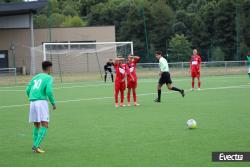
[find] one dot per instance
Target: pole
(237, 57)
(145, 32)
(32, 53)
(49, 23)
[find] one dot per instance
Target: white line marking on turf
(58, 86)
(142, 94)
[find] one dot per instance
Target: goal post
(76, 60)
(8, 76)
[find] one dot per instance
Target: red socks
(193, 84)
(134, 95)
(128, 96)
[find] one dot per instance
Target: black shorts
(107, 70)
(165, 78)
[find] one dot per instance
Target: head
(47, 67)
(158, 54)
(120, 61)
(195, 52)
(130, 58)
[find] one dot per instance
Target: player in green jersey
(39, 89)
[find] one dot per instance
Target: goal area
(76, 61)
(8, 76)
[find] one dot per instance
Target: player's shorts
(120, 86)
(165, 78)
(107, 69)
(39, 111)
(195, 74)
(132, 84)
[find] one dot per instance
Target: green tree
(70, 7)
(246, 22)
(217, 54)
(180, 48)
(224, 25)
(74, 21)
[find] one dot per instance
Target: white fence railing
(207, 68)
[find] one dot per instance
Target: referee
(165, 77)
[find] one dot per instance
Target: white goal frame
(84, 43)
(115, 46)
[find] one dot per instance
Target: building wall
(21, 39)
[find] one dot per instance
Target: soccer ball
(191, 124)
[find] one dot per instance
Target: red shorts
(132, 84)
(120, 86)
(195, 74)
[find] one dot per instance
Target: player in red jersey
(195, 65)
(132, 78)
(120, 83)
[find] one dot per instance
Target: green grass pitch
(87, 130)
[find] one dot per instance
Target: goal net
(81, 61)
(8, 76)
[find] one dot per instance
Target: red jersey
(195, 63)
(120, 70)
(132, 69)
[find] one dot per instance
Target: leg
(193, 82)
(41, 134)
(112, 77)
(170, 87)
(116, 96)
(134, 95)
(105, 76)
(199, 82)
(135, 98)
(122, 97)
(35, 131)
(158, 99)
(128, 96)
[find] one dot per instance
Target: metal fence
(207, 68)
(8, 76)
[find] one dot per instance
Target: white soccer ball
(191, 124)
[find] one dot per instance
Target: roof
(21, 7)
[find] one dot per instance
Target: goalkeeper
(108, 68)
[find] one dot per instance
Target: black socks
(175, 89)
(159, 95)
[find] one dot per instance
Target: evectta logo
(231, 156)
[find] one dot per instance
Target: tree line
(215, 27)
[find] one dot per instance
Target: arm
(200, 63)
(117, 60)
(49, 93)
(28, 88)
(129, 73)
(137, 59)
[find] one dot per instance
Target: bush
(75, 21)
(217, 54)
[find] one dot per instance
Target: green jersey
(40, 88)
(163, 65)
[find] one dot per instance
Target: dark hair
(158, 53)
(46, 65)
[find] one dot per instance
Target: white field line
(10, 89)
(57, 88)
(142, 94)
